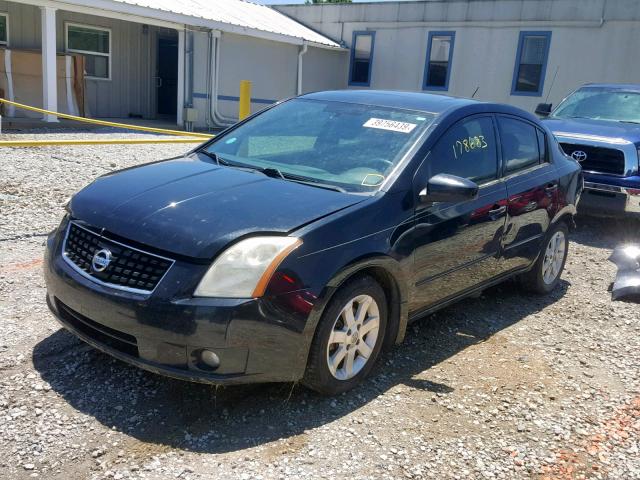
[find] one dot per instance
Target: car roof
(424, 102)
(634, 87)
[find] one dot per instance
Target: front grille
(599, 159)
(123, 342)
(129, 268)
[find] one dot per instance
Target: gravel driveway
(507, 385)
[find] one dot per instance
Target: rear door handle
(496, 212)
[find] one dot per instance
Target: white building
(167, 58)
(152, 58)
(512, 51)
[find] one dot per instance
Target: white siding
(324, 70)
(130, 89)
(592, 41)
(272, 68)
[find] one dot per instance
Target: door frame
(418, 213)
(153, 36)
(164, 35)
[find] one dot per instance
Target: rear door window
(520, 144)
(467, 150)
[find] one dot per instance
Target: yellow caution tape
(115, 141)
(109, 124)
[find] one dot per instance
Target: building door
(167, 76)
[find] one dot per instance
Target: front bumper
(609, 200)
(256, 340)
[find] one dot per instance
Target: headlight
(244, 269)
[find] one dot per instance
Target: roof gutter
(107, 13)
(140, 14)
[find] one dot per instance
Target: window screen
(361, 53)
(533, 50)
(468, 150)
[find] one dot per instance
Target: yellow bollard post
(244, 109)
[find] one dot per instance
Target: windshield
(599, 103)
(350, 146)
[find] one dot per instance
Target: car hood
(576, 127)
(194, 208)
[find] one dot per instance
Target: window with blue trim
(531, 63)
(437, 68)
(4, 28)
(361, 58)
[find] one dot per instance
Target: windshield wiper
(226, 163)
(312, 182)
(273, 173)
(212, 156)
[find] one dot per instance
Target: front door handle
(552, 187)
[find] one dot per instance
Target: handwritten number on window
(466, 145)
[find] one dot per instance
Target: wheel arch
(566, 214)
(389, 275)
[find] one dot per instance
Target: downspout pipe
(303, 51)
(209, 81)
(217, 117)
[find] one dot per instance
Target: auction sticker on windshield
(392, 125)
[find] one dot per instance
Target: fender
(569, 210)
(398, 302)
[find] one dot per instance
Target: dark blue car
(299, 243)
(599, 126)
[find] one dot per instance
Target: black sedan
(299, 243)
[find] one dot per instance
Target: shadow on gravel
(606, 233)
(165, 412)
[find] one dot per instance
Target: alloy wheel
(553, 257)
(353, 337)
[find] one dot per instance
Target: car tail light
(633, 191)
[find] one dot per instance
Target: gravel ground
(507, 385)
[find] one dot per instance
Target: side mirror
(449, 188)
(544, 109)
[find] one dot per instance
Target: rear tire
(348, 338)
(546, 272)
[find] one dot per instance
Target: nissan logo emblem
(101, 260)
(579, 156)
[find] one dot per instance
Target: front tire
(545, 274)
(348, 338)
